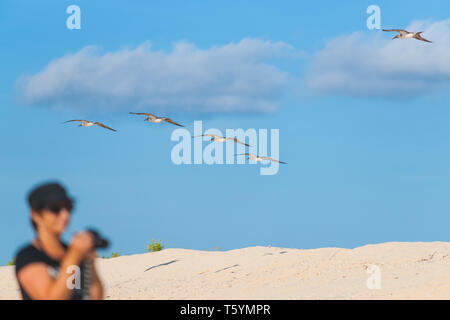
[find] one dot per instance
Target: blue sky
(362, 167)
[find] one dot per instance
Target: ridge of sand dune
(418, 270)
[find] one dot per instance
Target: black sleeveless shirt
(31, 254)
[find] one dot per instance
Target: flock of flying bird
(402, 34)
(155, 119)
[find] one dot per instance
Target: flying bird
(403, 34)
(217, 138)
(86, 123)
(155, 119)
(259, 158)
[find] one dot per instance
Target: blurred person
(45, 268)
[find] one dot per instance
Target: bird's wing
(243, 154)
(103, 126)
(237, 141)
(75, 120)
(205, 135)
(419, 37)
(145, 114)
(272, 159)
(170, 121)
(401, 31)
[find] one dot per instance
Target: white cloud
(363, 64)
(231, 78)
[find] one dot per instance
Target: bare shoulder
(32, 271)
(35, 279)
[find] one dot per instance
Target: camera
(99, 241)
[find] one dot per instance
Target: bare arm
(36, 280)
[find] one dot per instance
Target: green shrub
(155, 246)
(215, 249)
(115, 255)
(12, 263)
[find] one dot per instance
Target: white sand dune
(407, 271)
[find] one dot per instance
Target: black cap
(46, 195)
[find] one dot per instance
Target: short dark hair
(38, 210)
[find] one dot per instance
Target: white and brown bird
(403, 34)
(155, 119)
(217, 138)
(254, 157)
(86, 123)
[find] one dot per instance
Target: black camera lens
(99, 241)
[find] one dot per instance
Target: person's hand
(82, 244)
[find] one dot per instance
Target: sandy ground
(406, 271)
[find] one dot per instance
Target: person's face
(53, 219)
